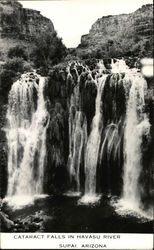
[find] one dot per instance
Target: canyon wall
(19, 25)
(120, 35)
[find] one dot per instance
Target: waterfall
(137, 126)
(108, 129)
(111, 150)
(119, 66)
(93, 147)
(77, 139)
(26, 136)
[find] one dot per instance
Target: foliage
(70, 57)
(15, 64)
(18, 51)
(27, 66)
(6, 79)
(49, 50)
(12, 69)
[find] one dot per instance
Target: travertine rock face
(120, 35)
(21, 23)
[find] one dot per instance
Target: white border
(76, 241)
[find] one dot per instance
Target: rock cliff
(20, 25)
(120, 35)
(17, 21)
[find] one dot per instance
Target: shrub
(15, 64)
(27, 66)
(18, 51)
(70, 57)
(6, 80)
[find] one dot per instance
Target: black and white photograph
(76, 124)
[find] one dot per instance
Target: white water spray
(119, 66)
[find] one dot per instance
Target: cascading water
(110, 156)
(109, 135)
(119, 66)
(111, 148)
(77, 139)
(137, 126)
(116, 133)
(26, 137)
(93, 147)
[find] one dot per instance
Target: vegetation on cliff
(28, 40)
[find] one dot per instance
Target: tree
(49, 49)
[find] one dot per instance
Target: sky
(74, 18)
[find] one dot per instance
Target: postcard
(76, 124)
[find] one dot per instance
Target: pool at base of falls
(65, 214)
